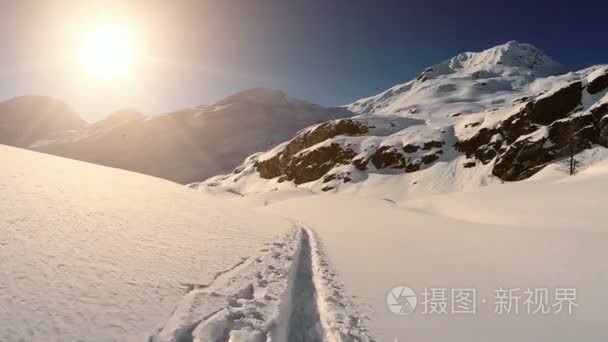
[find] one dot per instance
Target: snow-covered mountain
(191, 144)
(469, 82)
(26, 119)
(492, 116)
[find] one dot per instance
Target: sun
(108, 49)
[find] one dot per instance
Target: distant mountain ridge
(191, 144)
(26, 119)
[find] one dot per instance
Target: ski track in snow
(287, 293)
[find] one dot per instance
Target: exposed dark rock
(430, 158)
(314, 164)
(556, 106)
(580, 130)
(317, 161)
(433, 144)
(329, 178)
(344, 177)
(519, 160)
(361, 164)
(603, 132)
(410, 148)
(323, 132)
(600, 111)
(269, 168)
(598, 84)
(388, 156)
(517, 125)
(525, 157)
(469, 164)
(480, 145)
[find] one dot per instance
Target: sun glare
(108, 49)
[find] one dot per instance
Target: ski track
(286, 293)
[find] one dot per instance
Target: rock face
(491, 114)
(547, 109)
(26, 119)
(334, 152)
(288, 163)
(598, 84)
(547, 128)
(192, 144)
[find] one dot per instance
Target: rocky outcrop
(388, 157)
(598, 84)
(313, 153)
(528, 155)
(310, 166)
(556, 106)
(289, 163)
(603, 131)
(544, 130)
(323, 132)
(306, 166)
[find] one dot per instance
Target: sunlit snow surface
(97, 254)
(89, 253)
(548, 232)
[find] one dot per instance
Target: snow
(545, 233)
(90, 253)
(97, 254)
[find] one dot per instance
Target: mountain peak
(509, 58)
(33, 117)
(257, 95)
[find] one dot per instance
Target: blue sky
(326, 51)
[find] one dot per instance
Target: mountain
(191, 144)
(26, 119)
(492, 116)
(466, 83)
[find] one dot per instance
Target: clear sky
(326, 51)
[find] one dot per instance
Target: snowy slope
(191, 144)
(89, 253)
(544, 233)
(476, 119)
